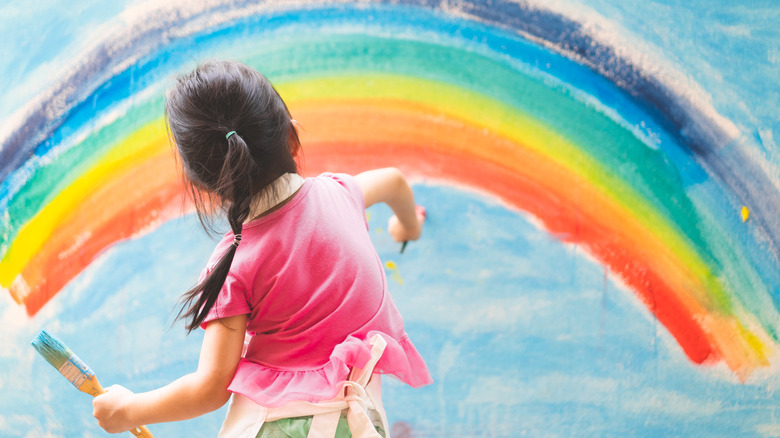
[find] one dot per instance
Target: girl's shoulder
(344, 180)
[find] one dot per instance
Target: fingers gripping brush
(421, 215)
(73, 369)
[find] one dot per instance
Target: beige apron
(360, 399)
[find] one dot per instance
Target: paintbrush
(74, 369)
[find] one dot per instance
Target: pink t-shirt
(315, 291)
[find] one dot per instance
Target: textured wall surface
(587, 268)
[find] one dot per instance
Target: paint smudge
(395, 273)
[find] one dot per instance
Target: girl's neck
(276, 195)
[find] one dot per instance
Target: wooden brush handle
(92, 387)
(141, 432)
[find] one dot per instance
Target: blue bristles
(54, 351)
(61, 358)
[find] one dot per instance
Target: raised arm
(390, 186)
(195, 394)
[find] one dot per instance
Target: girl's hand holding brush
(408, 230)
(111, 409)
(389, 185)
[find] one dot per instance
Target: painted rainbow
(593, 148)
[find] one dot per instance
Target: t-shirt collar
(278, 191)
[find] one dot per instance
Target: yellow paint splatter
(745, 214)
(394, 272)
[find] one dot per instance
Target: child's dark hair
(233, 133)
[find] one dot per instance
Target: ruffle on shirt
(272, 387)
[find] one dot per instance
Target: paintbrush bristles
(54, 351)
(67, 363)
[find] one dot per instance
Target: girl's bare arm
(195, 394)
(389, 185)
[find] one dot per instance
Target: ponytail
(234, 184)
(233, 133)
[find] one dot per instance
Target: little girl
(297, 276)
